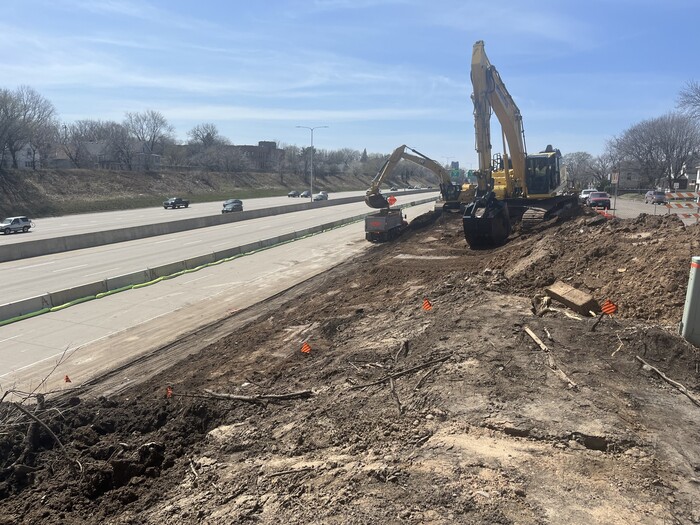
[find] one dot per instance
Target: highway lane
(50, 227)
(21, 279)
(88, 339)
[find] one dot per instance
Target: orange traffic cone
(427, 305)
(67, 379)
(305, 348)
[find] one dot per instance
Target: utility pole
(312, 156)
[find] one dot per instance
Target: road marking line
(101, 272)
(41, 264)
(193, 242)
(166, 240)
(71, 268)
(9, 338)
(193, 280)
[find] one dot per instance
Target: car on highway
(393, 188)
(232, 205)
(655, 197)
(306, 194)
(15, 225)
(176, 202)
(322, 196)
(599, 199)
(583, 196)
(293, 193)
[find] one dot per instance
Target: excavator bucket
(486, 223)
(376, 200)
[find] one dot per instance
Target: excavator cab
(450, 193)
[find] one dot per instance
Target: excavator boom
(451, 193)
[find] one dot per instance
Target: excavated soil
(401, 414)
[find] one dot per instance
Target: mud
(402, 414)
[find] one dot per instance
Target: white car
(15, 225)
(323, 196)
(583, 196)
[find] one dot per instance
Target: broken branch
(396, 375)
(671, 382)
(261, 397)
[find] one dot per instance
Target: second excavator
(453, 196)
(389, 222)
(512, 187)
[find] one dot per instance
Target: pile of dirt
(422, 399)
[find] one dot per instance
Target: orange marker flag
(427, 305)
(67, 379)
(609, 307)
(169, 392)
(305, 348)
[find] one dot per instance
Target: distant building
(26, 159)
(631, 178)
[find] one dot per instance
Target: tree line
(29, 124)
(661, 148)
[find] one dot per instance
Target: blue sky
(379, 73)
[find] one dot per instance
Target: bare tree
(660, 146)
(689, 99)
(152, 129)
(579, 168)
(206, 135)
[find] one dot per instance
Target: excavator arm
(450, 192)
(489, 94)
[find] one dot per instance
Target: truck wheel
(187, 205)
(6, 231)
(25, 229)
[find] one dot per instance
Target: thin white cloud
(240, 113)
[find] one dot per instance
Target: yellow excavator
(453, 196)
(389, 223)
(512, 187)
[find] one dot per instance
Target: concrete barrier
(86, 291)
(24, 250)
(76, 292)
(120, 281)
(25, 306)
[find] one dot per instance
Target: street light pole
(312, 155)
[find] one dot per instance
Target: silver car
(15, 224)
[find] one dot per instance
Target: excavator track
(533, 217)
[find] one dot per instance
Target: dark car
(599, 199)
(232, 205)
(15, 225)
(306, 194)
(176, 202)
(655, 197)
(293, 193)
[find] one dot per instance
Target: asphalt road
(90, 338)
(50, 227)
(24, 278)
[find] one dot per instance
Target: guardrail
(55, 301)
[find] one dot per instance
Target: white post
(690, 326)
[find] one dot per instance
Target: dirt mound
(422, 400)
